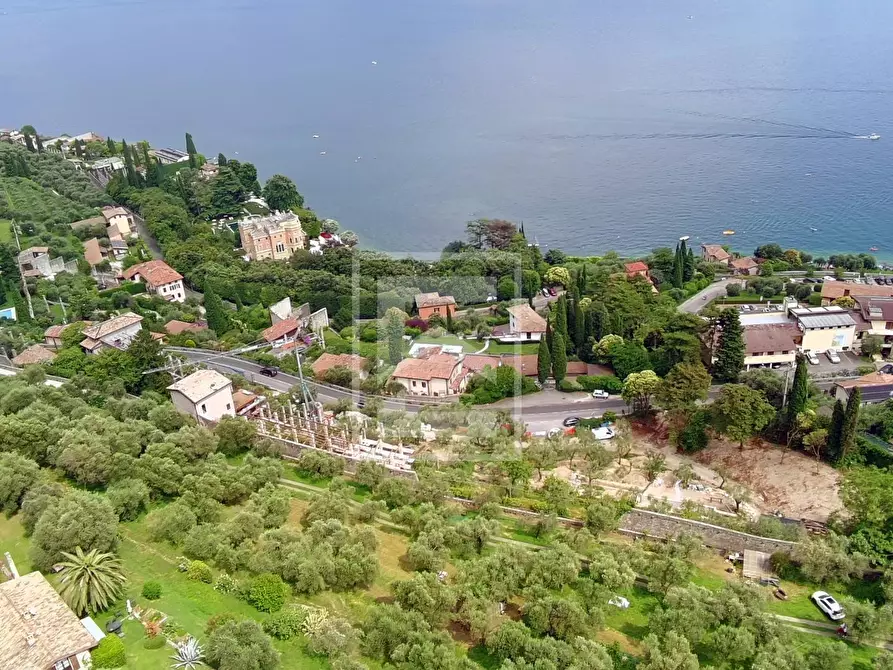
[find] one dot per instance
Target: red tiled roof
(328, 361)
(743, 263)
(279, 330)
(716, 251)
(477, 362)
(436, 367)
(832, 290)
(525, 363)
(156, 273)
(526, 319)
(761, 339)
(175, 327)
(637, 266)
(34, 354)
(872, 379)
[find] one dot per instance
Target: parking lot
(848, 361)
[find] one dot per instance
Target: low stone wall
(642, 522)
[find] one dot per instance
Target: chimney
(12, 566)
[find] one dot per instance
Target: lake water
(600, 125)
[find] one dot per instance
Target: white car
(492, 298)
(600, 395)
(812, 358)
(828, 605)
(545, 292)
(603, 433)
(619, 601)
(832, 356)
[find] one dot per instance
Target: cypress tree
(600, 322)
(730, 352)
(128, 164)
(215, 312)
(850, 424)
(24, 170)
(549, 335)
(560, 310)
(110, 143)
(689, 270)
(581, 281)
(449, 320)
(834, 431)
(29, 143)
(800, 391)
(153, 177)
(579, 327)
(78, 148)
(559, 358)
(678, 267)
(543, 361)
(135, 154)
(221, 160)
(39, 144)
(190, 145)
(571, 324)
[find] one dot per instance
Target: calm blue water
(601, 125)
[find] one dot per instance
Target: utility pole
(301, 375)
(787, 378)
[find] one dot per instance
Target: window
(424, 385)
(204, 408)
(413, 383)
(280, 247)
(229, 406)
(62, 665)
(771, 353)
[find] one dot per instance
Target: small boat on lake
(728, 232)
(872, 248)
(874, 136)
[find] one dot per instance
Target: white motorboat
(874, 136)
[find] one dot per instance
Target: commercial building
(160, 279)
(205, 394)
(273, 237)
(825, 328)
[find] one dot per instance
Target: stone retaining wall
(642, 522)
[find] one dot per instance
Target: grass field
(5, 231)
(520, 349)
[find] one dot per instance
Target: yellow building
(825, 328)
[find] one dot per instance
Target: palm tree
(90, 582)
(188, 655)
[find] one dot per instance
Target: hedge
(267, 592)
(152, 590)
(600, 383)
(110, 653)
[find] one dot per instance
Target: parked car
(492, 298)
(812, 358)
(832, 356)
(828, 605)
(603, 433)
(269, 371)
(552, 291)
(600, 395)
(546, 292)
(571, 421)
(878, 280)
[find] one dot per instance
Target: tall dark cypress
(799, 392)
(39, 144)
(29, 143)
(215, 313)
(559, 358)
(129, 170)
(730, 352)
(850, 424)
(221, 160)
(834, 431)
(581, 281)
(560, 310)
(549, 334)
(153, 178)
(113, 148)
(579, 328)
(678, 267)
(190, 145)
(690, 265)
(543, 361)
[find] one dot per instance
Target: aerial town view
(471, 336)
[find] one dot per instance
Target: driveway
(703, 298)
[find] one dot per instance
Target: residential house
(524, 324)
(36, 354)
(429, 304)
(117, 332)
(38, 631)
(208, 171)
(770, 344)
(524, 364)
(205, 394)
(160, 279)
(714, 253)
(175, 327)
(326, 362)
(273, 237)
(874, 316)
(282, 332)
(875, 388)
(832, 290)
(247, 403)
(52, 336)
(93, 221)
(825, 328)
(438, 376)
(475, 363)
(639, 269)
(36, 262)
(744, 266)
(168, 156)
(315, 322)
(119, 221)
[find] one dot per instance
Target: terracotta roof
(109, 212)
(111, 326)
(34, 354)
(743, 263)
(37, 629)
(583, 368)
(156, 273)
(477, 362)
(92, 252)
(525, 363)
(200, 384)
(832, 290)
(433, 300)
(243, 399)
(175, 327)
(873, 379)
(279, 330)
(763, 338)
(55, 332)
(328, 361)
(34, 250)
(436, 367)
(716, 251)
(90, 344)
(526, 319)
(86, 223)
(637, 266)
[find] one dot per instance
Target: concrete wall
(832, 338)
(653, 524)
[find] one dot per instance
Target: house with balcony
(438, 376)
(119, 222)
(160, 279)
(770, 344)
(117, 332)
(874, 316)
(715, 253)
(205, 394)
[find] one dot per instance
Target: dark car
(888, 281)
(878, 280)
(571, 421)
(269, 371)
(552, 291)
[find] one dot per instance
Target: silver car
(826, 602)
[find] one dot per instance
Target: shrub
(225, 584)
(156, 642)
(369, 334)
(733, 290)
(569, 386)
(199, 571)
(152, 590)
(284, 625)
(609, 416)
(601, 383)
(218, 620)
(110, 653)
(267, 593)
(416, 323)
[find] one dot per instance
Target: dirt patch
(609, 636)
(781, 479)
(460, 634)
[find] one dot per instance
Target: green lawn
(468, 346)
(5, 230)
(499, 348)
(13, 540)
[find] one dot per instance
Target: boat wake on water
(700, 136)
(826, 132)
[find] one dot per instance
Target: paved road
(146, 236)
(700, 300)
